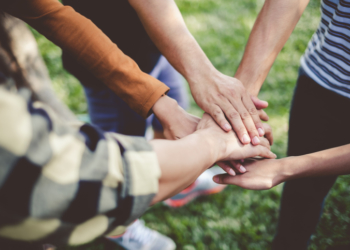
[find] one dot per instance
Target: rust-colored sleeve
(92, 48)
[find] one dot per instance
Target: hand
(228, 102)
(228, 145)
(260, 174)
(234, 167)
(176, 122)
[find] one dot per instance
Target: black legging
(319, 120)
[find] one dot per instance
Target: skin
(266, 174)
(236, 167)
(271, 30)
(221, 96)
(193, 154)
(176, 122)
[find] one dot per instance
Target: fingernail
(245, 138)
(231, 172)
(261, 131)
(227, 126)
(242, 169)
(256, 140)
(216, 179)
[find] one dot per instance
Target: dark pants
(319, 120)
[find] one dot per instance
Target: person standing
(120, 22)
(318, 116)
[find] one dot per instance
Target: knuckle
(216, 113)
(253, 111)
(245, 115)
(233, 115)
(233, 93)
(221, 96)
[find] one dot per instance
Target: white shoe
(140, 237)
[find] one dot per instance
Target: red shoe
(204, 185)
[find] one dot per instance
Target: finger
(265, 143)
(254, 114)
(247, 120)
(237, 124)
(268, 133)
(227, 168)
(263, 116)
(219, 117)
(227, 179)
(265, 153)
(259, 104)
(239, 168)
(236, 166)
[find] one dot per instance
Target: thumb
(259, 104)
(225, 179)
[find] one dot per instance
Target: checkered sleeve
(68, 184)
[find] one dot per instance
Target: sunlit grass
(235, 218)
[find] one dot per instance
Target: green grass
(235, 218)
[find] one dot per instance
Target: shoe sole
(187, 199)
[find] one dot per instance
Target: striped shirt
(327, 57)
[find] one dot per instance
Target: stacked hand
(177, 123)
(260, 175)
(230, 148)
(230, 105)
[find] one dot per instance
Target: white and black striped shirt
(327, 58)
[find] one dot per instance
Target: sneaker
(140, 237)
(204, 185)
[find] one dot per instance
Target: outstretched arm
(93, 49)
(184, 160)
(271, 30)
(217, 94)
(266, 174)
(60, 180)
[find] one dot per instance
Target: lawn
(235, 218)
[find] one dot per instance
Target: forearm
(166, 27)
(88, 45)
(335, 161)
(47, 168)
(181, 162)
(271, 30)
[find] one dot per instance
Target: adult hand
(260, 175)
(176, 122)
(228, 102)
(234, 167)
(232, 148)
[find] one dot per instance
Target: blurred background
(234, 218)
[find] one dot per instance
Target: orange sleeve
(92, 48)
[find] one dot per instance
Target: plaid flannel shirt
(68, 184)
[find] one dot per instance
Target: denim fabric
(111, 113)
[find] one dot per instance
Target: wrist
(252, 78)
(201, 74)
(215, 145)
(288, 169)
(164, 107)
